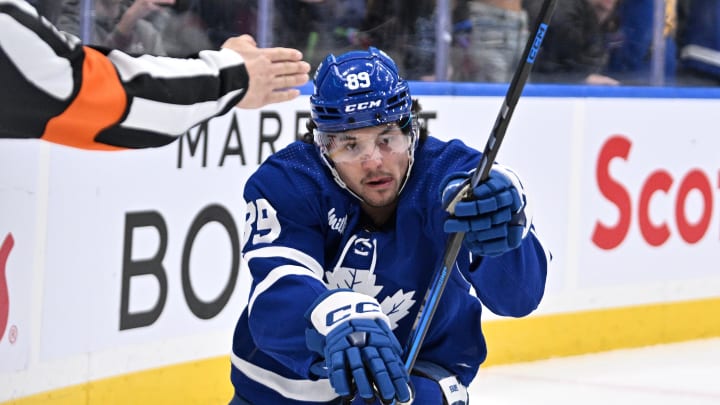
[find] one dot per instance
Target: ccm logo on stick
(659, 181)
(536, 43)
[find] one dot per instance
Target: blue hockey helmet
(358, 89)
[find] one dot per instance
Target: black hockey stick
(442, 274)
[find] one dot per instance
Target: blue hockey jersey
(305, 234)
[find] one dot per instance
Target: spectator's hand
(361, 354)
(494, 219)
(273, 72)
(602, 80)
(137, 11)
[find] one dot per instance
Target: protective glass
(359, 145)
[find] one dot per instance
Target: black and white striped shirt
(54, 88)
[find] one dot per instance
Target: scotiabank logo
(658, 182)
(5, 248)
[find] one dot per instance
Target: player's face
(372, 162)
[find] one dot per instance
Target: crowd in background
(600, 42)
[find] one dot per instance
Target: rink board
(625, 184)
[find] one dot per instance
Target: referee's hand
(274, 72)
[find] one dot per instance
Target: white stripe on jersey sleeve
(208, 64)
(144, 114)
(300, 390)
(275, 275)
(23, 47)
(288, 253)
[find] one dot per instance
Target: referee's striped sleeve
(93, 98)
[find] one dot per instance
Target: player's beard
(380, 209)
(384, 202)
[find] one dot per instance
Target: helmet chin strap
(336, 176)
(411, 151)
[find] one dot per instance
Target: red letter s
(603, 236)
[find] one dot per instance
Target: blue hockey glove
(361, 354)
(494, 219)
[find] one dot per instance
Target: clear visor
(363, 144)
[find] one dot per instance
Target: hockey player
(342, 235)
(60, 91)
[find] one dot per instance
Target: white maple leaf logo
(362, 281)
(397, 306)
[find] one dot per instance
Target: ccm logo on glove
(342, 305)
(346, 311)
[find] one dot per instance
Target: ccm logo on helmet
(363, 106)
